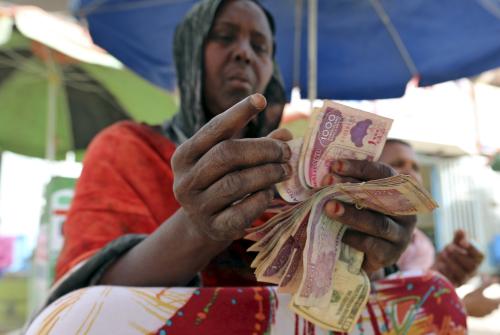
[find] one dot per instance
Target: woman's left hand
(382, 238)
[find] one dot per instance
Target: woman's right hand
(223, 184)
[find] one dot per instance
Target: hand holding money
(380, 218)
(318, 248)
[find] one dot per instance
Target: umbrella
(366, 49)
(58, 90)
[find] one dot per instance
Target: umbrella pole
(297, 39)
(53, 92)
(312, 49)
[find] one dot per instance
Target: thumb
(460, 238)
(225, 125)
(281, 134)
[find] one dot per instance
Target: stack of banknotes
(300, 249)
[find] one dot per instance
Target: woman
(167, 207)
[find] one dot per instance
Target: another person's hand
(459, 260)
(477, 304)
(382, 238)
(223, 183)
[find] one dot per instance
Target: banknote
(315, 115)
(320, 253)
(335, 132)
(292, 190)
(300, 248)
(273, 269)
(342, 132)
(398, 195)
(352, 288)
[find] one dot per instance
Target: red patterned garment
(404, 304)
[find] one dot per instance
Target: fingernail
(287, 169)
(258, 101)
(329, 180)
(287, 152)
(338, 166)
(335, 208)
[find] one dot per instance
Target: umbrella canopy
(58, 90)
(366, 49)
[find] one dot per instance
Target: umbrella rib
(75, 76)
(22, 67)
(403, 51)
(91, 89)
(297, 42)
(490, 7)
(87, 87)
(16, 58)
(83, 83)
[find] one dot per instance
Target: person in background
(459, 260)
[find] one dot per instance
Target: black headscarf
(189, 41)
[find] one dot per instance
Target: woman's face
(238, 55)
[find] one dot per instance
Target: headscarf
(189, 41)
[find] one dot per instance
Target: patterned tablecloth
(401, 304)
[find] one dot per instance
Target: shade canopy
(366, 48)
(58, 90)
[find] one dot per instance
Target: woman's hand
(382, 238)
(223, 184)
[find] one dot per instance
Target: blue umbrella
(366, 49)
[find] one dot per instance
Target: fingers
(380, 237)
(281, 134)
(231, 223)
(368, 222)
(234, 186)
(378, 252)
(460, 269)
(463, 254)
(466, 247)
(475, 254)
(362, 169)
(457, 264)
(234, 155)
(468, 262)
(454, 273)
(333, 179)
(459, 238)
(221, 127)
